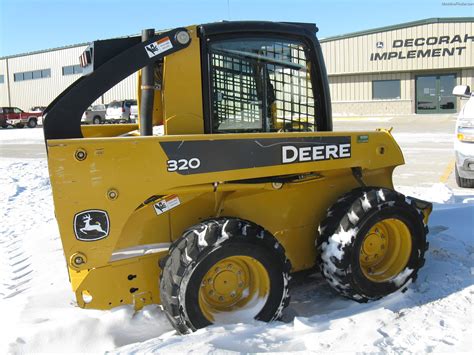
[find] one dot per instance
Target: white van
(119, 111)
(464, 141)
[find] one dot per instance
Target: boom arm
(62, 118)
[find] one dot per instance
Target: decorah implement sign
(423, 47)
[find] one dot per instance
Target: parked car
(37, 108)
(13, 116)
(133, 113)
(464, 142)
(119, 111)
(41, 109)
(94, 115)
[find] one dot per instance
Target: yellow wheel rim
(385, 250)
(233, 284)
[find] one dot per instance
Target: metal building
(401, 69)
(35, 79)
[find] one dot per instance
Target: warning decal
(158, 47)
(166, 204)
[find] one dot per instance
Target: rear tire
(96, 120)
(32, 123)
(371, 243)
(220, 267)
(463, 182)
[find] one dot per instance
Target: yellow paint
(385, 250)
(231, 284)
(447, 171)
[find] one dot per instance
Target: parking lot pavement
(22, 143)
(426, 142)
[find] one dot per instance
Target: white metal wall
(4, 96)
(40, 92)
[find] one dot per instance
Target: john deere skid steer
(232, 181)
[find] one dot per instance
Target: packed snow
(39, 312)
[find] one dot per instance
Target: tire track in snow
(16, 270)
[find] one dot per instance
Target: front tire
(463, 182)
(96, 120)
(372, 243)
(225, 270)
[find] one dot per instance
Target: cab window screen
(260, 85)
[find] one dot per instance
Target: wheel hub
(385, 250)
(374, 246)
(224, 283)
(230, 284)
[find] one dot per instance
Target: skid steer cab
(232, 180)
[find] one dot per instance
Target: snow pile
(39, 313)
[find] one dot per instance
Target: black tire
(463, 182)
(203, 246)
(4, 126)
(32, 123)
(96, 120)
(342, 235)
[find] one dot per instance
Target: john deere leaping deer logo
(91, 225)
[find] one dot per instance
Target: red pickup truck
(13, 116)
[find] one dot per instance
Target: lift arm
(62, 118)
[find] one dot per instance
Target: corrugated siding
(359, 87)
(40, 92)
(126, 89)
(4, 86)
(352, 55)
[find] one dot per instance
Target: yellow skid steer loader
(232, 180)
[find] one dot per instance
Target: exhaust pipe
(148, 92)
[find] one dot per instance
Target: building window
(2, 79)
(72, 69)
(386, 90)
(35, 74)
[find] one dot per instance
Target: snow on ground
(39, 313)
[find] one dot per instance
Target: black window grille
(260, 85)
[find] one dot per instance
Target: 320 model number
(183, 164)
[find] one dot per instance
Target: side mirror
(462, 91)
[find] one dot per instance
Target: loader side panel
(128, 177)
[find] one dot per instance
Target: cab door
(16, 113)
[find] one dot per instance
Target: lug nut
(221, 298)
(78, 260)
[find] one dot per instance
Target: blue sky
(29, 25)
